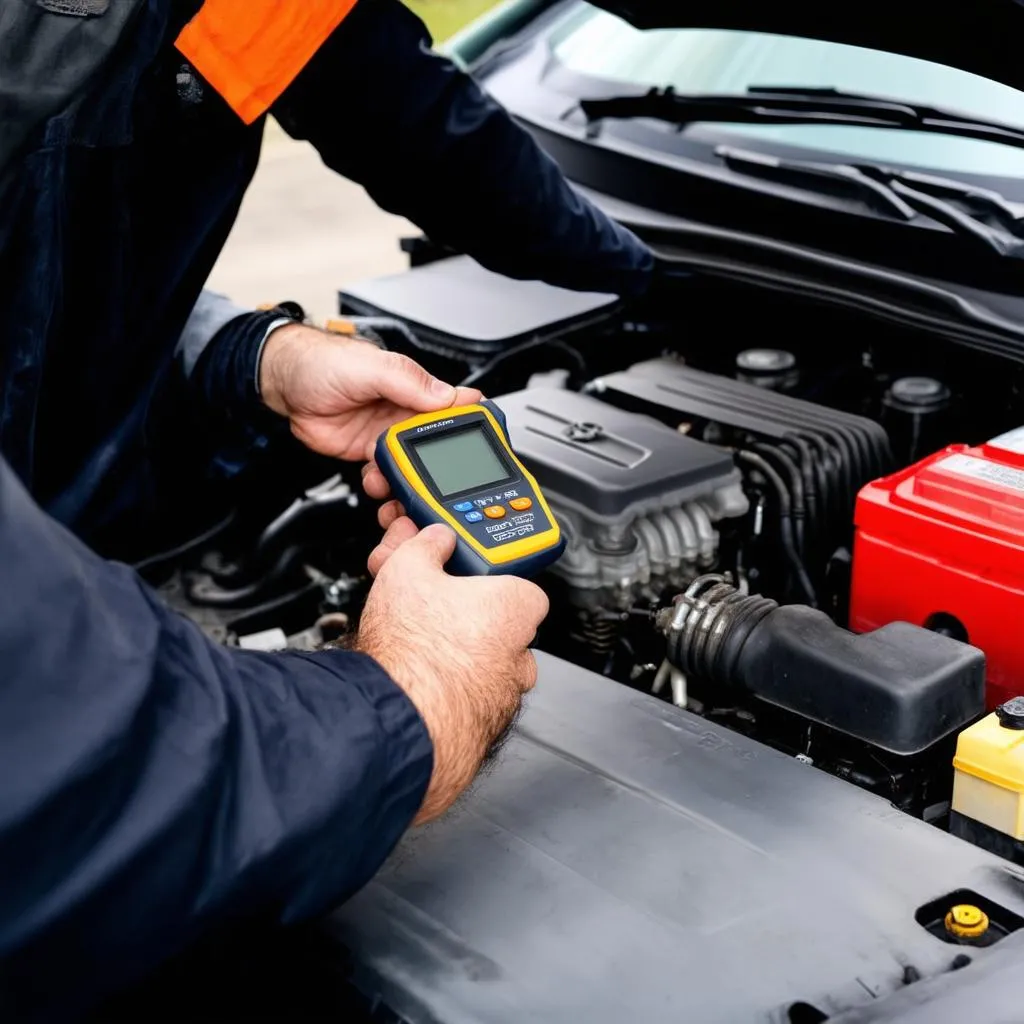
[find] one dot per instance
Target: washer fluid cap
(966, 921)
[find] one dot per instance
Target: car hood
(984, 37)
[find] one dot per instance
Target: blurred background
(304, 231)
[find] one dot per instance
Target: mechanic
(156, 784)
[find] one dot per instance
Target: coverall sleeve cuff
(227, 374)
(405, 759)
(210, 314)
(402, 727)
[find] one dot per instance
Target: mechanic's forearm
(427, 143)
(156, 783)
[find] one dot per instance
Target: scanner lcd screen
(463, 461)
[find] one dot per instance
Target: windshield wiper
(981, 215)
(836, 179)
(792, 105)
(982, 206)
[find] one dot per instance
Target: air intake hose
(901, 688)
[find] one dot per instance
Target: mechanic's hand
(378, 488)
(340, 393)
(458, 646)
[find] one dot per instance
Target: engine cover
(941, 544)
(631, 862)
(637, 501)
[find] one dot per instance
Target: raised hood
(985, 37)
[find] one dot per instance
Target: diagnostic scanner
(457, 467)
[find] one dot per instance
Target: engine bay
(800, 522)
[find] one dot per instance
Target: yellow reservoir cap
(966, 921)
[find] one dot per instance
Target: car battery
(941, 544)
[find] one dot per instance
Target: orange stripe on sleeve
(250, 51)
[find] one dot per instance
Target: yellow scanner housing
(503, 525)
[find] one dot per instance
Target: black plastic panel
(627, 861)
(986, 990)
(900, 687)
(458, 303)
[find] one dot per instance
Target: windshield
(595, 43)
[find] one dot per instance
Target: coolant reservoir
(988, 787)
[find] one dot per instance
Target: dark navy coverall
(152, 782)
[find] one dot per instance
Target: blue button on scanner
(463, 506)
(473, 517)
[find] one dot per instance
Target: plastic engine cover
(628, 861)
(941, 544)
(606, 463)
(638, 502)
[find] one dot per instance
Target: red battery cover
(946, 538)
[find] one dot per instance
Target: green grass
(445, 17)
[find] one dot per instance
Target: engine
(779, 539)
(804, 462)
(681, 491)
(640, 503)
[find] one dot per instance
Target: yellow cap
(966, 922)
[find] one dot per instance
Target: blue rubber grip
(499, 416)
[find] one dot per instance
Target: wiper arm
(981, 215)
(987, 217)
(985, 205)
(837, 179)
(791, 105)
